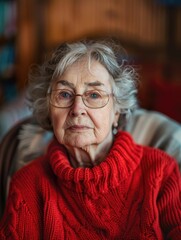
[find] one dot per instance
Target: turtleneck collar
(121, 161)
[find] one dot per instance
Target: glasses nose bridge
(81, 96)
(78, 95)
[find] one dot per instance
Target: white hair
(110, 55)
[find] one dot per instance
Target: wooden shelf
(141, 27)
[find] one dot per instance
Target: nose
(78, 108)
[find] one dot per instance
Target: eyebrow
(65, 83)
(95, 84)
(71, 85)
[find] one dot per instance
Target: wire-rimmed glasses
(64, 98)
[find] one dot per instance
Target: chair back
(27, 140)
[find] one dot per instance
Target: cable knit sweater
(133, 194)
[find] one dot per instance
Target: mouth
(78, 128)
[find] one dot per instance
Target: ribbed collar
(123, 158)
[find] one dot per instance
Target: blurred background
(150, 31)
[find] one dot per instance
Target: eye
(94, 95)
(64, 95)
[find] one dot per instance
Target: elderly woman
(94, 182)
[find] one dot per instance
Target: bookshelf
(31, 29)
(8, 30)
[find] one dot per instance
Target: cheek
(58, 121)
(103, 121)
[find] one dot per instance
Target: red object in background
(166, 98)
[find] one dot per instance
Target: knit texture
(133, 194)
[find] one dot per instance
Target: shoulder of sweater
(25, 192)
(157, 160)
(30, 183)
(32, 172)
(154, 158)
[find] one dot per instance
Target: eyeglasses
(64, 98)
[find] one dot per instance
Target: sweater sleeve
(169, 203)
(17, 222)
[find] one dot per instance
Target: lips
(78, 127)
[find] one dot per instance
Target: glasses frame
(79, 95)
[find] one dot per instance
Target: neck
(90, 156)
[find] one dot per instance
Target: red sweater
(133, 194)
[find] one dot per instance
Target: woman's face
(78, 125)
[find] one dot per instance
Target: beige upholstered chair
(26, 141)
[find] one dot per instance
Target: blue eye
(94, 95)
(65, 95)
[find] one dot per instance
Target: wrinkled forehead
(85, 71)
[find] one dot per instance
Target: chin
(80, 141)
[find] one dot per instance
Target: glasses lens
(95, 99)
(61, 98)
(64, 98)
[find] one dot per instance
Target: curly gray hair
(108, 53)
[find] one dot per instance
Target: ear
(116, 119)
